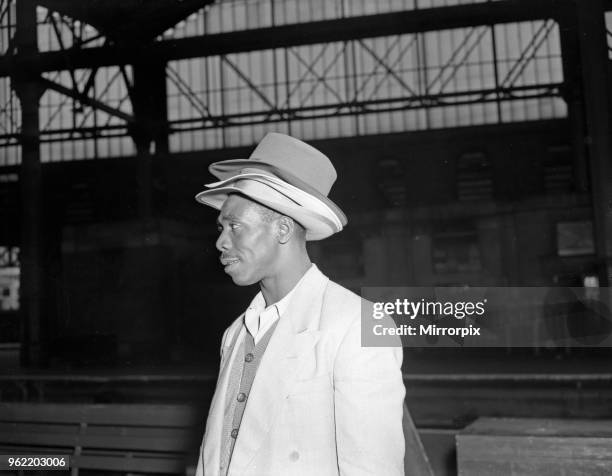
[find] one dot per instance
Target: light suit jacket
(320, 404)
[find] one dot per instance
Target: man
(296, 393)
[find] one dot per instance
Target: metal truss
(64, 33)
(318, 32)
(89, 90)
(86, 99)
(85, 103)
(394, 75)
(10, 121)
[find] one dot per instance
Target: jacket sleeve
(368, 402)
(200, 465)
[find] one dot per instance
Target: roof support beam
(47, 83)
(32, 292)
(370, 26)
(594, 54)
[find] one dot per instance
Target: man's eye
(233, 226)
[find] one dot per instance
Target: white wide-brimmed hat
(286, 175)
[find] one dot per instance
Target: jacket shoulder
(341, 306)
(338, 292)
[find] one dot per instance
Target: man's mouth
(229, 262)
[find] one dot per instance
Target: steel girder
(345, 29)
(353, 32)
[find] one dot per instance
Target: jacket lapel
(214, 426)
(287, 352)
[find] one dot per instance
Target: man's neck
(278, 286)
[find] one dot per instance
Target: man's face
(247, 242)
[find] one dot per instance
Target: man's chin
(239, 274)
(241, 280)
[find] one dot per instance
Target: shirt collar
(274, 311)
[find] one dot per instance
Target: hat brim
(317, 226)
(227, 169)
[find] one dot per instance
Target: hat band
(261, 189)
(282, 192)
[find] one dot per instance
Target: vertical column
(150, 132)
(30, 177)
(573, 92)
(594, 55)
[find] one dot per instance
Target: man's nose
(222, 243)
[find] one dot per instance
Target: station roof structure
(127, 20)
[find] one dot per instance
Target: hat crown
(298, 158)
(282, 166)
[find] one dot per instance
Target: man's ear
(286, 229)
